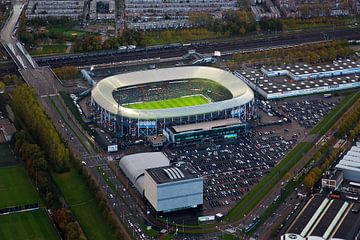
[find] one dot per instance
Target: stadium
(143, 103)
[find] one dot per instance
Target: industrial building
(350, 164)
(333, 180)
(72, 9)
(157, 14)
(134, 166)
(199, 132)
(174, 187)
(302, 79)
(324, 218)
(167, 187)
(115, 116)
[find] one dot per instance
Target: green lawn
(68, 32)
(170, 103)
(83, 205)
(50, 49)
(6, 157)
(15, 187)
(27, 225)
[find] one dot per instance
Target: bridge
(42, 79)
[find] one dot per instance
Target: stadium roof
(134, 166)
(102, 93)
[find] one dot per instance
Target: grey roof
(280, 81)
(134, 166)
(206, 125)
(173, 173)
(102, 92)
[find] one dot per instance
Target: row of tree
(41, 128)
(2, 86)
(312, 53)
(350, 124)
(325, 157)
(38, 170)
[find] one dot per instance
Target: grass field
(27, 225)
(170, 103)
(50, 49)
(15, 187)
(83, 205)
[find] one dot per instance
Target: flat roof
(327, 218)
(335, 221)
(102, 92)
(334, 175)
(173, 173)
(302, 68)
(206, 125)
(351, 160)
(279, 84)
(348, 227)
(304, 217)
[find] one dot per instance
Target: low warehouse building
(134, 166)
(350, 164)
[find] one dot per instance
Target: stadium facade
(124, 121)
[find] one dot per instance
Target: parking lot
(230, 169)
(307, 112)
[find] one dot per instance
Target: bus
(334, 196)
(252, 225)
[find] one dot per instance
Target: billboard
(112, 148)
(147, 124)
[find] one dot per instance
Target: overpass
(42, 79)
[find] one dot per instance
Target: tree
(2, 87)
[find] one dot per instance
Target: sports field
(16, 188)
(27, 225)
(170, 103)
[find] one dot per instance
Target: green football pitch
(27, 225)
(170, 103)
(16, 188)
